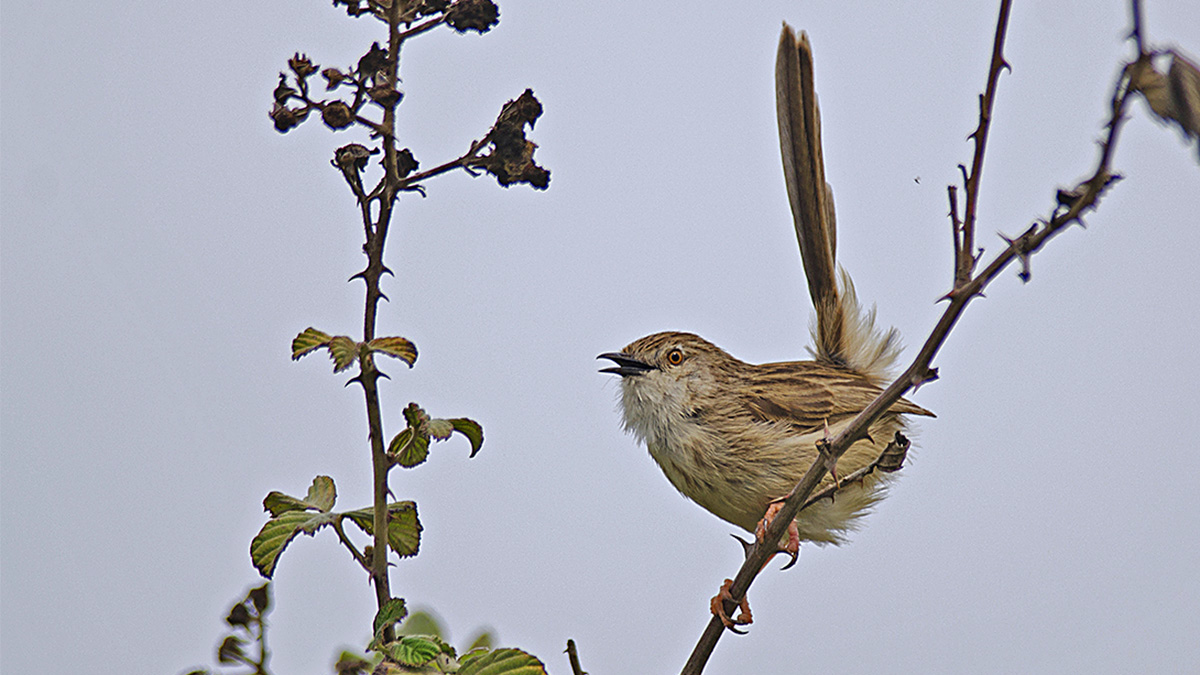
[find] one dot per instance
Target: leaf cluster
(345, 352)
(410, 447)
(429, 653)
(291, 516)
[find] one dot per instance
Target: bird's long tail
(844, 332)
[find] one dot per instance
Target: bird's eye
(675, 356)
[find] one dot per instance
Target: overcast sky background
(162, 244)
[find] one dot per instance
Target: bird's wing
(802, 393)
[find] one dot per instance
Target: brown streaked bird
(735, 437)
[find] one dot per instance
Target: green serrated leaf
(398, 347)
(404, 528)
(278, 503)
(343, 351)
(309, 341)
(471, 429)
(413, 650)
(392, 611)
(415, 451)
(415, 415)
(501, 662)
(321, 494)
(400, 441)
(439, 428)
(278, 532)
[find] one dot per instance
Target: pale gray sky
(162, 244)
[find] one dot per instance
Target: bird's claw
(793, 553)
(743, 617)
(792, 547)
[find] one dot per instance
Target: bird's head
(666, 377)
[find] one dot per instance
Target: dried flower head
(301, 65)
(476, 15)
(285, 118)
(337, 115)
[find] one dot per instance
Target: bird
(737, 437)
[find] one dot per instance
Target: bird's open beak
(626, 365)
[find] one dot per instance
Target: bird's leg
(792, 549)
(743, 606)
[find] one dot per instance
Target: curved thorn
(746, 545)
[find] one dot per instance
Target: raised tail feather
(844, 332)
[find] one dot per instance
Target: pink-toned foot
(718, 609)
(792, 548)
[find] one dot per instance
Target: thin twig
(341, 533)
(264, 655)
(421, 28)
(897, 445)
(573, 657)
(965, 254)
(460, 163)
(1135, 6)
(379, 129)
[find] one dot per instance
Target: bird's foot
(792, 547)
(743, 606)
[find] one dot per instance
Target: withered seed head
(337, 115)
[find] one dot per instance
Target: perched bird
(735, 437)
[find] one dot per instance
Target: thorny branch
(1070, 207)
(964, 251)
